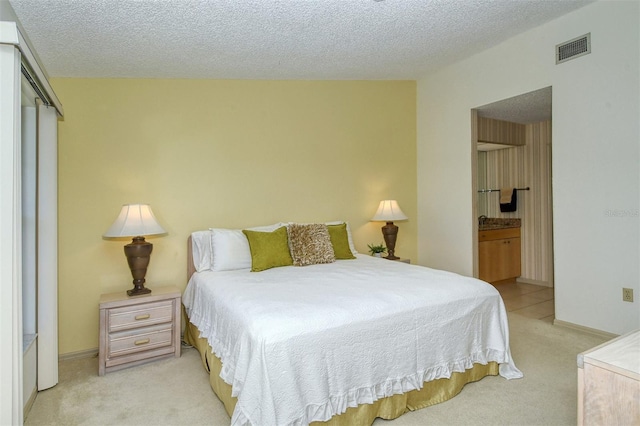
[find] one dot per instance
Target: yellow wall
(220, 153)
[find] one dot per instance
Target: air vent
(573, 48)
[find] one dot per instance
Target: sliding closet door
(29, 173)
(14, 51)
(47, 225)
(39, 245)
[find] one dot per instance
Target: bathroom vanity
(499, 249)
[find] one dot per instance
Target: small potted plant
(376, 250)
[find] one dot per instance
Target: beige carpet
(177, 392)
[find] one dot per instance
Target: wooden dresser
(139, 329)
(609, 383)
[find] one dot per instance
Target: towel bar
(497, 190)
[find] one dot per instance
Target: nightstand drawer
(140, 340)
(141, 315)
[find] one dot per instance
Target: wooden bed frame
(433, 392)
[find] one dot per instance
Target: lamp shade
(389, 211)
(134, 220)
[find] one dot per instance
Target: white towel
(505, 195)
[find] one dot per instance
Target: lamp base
(138, 253)
(137, 291)
(390, 234)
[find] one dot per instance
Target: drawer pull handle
(142, 317)
(142, 342)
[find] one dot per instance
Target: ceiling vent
(573, 48)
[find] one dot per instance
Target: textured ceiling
(277, 39)
(532, 107)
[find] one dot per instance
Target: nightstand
(139, 329)
(401, 260)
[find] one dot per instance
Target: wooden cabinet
(609, 383)
(139, 329)
(499, 254)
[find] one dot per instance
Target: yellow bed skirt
(392, 407)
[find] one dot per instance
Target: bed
(339, 342)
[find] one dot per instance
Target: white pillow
(201, 250)
(230, 250)
(349, 237)
(230, 247)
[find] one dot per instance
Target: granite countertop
(498, 223)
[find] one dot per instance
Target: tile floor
(529, 300)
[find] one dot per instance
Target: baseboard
(534, 282)
(28, 404)
(89, 353)
(593, 331)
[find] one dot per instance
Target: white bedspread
(300, 344)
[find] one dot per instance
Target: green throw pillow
(268, 249)
(340, 241)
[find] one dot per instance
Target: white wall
(596, 162)
(10, 234)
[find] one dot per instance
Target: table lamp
(136, 220)
(388, 211)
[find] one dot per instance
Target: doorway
(525, 166)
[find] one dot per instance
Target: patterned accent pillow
(310, 244)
